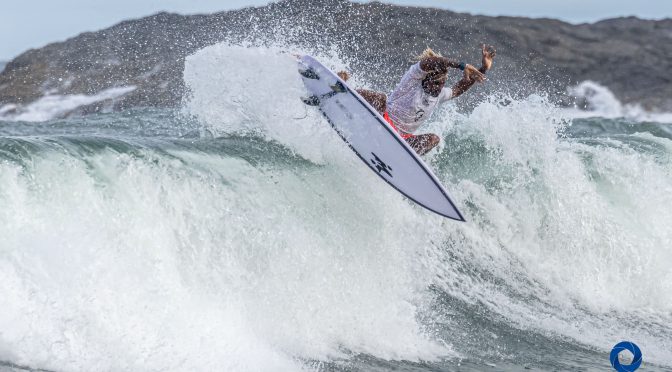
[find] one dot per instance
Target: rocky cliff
(628, 55)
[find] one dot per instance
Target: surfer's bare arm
(489, 54)
(469, 77)
(442, 64)
(438, 64)
(463, 85)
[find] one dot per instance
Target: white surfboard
(373, 140)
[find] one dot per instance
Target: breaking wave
(242, 234)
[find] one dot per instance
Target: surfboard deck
(368, 134)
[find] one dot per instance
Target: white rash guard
(408, 105)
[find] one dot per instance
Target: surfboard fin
(339, 87)
(311, 101)
(309, 73)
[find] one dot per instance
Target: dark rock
(628, 55)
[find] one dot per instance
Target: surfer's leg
(423, 143)
(375, 99)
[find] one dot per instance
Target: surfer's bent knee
(423, 143)
(434, 139)
(430, 142)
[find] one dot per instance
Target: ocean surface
(239, 233)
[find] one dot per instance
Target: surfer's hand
(472, 73)
(489, 53)
(343, 75)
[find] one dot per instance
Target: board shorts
(403, 135)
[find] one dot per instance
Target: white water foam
(118, 263)
(256, 93)
(590, 246)
(145, 262)
(601, 102)
(578, 233)
(53, 106)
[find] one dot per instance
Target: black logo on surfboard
(380, 165)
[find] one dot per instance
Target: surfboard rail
(368, 135)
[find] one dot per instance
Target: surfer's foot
(375, 99)
(343, 75)
(423, 143)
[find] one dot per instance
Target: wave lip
(602, 102)
(51, 106)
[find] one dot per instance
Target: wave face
(51, 105)
(242, 234)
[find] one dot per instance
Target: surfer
(420, 91)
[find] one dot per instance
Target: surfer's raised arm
(469, 78)
(420, 91)
(438, 64)
(442, 64)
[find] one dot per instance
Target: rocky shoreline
(630, 56)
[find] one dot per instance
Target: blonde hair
(428, 52)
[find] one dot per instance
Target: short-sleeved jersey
(409, 105)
